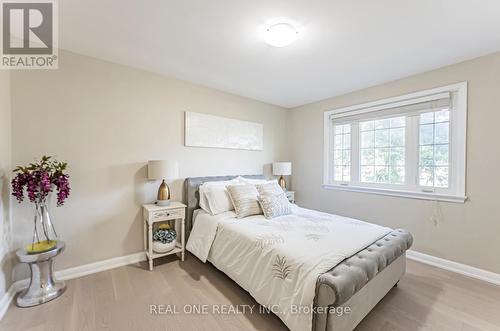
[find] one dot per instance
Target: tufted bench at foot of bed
(339, 286)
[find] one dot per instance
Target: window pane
(346, 173)
(381, 174)
(441, 133)
(381, 156)
(368, 156)
(337, 157)
(397, 156)
(427, 134)
(427, 118)
(398, 137)
(441, 176)
(367, 139)
(397, 175)
(366, 126)
(434, 148)
(382, 124)
(338, 141)
(382, 138)
(398, 122)
(441, 154)
(342, 153)
(347, 141)
(426, 155)
(383, 146)
(346, 157)
(426, 176)
(337, 173)
(368, 174)
(442, 116)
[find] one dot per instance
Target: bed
(314, 270)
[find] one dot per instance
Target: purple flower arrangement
(40, 179)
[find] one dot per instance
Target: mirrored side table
(43, 286)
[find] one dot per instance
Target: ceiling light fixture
(280, 34)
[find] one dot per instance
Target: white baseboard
(456, 267)
(6, 299)
(92, 268)
(71, 273)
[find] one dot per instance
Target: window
(383, 150)
(434, 146)
(411, 146)
(342, 152)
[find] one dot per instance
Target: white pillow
(203, 199)
(207, 187)
(218, 199)
(255, 181)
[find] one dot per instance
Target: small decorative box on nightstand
(291, 196)
(173, 214)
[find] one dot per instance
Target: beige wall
(467, 233)
(107, 120)
(5, 174)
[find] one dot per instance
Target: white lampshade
(162, 169)
(282, 168)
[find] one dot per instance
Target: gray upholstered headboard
(191, 186)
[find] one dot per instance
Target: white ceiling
(344, 45)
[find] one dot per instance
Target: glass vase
(44, 233)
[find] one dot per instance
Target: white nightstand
(291, 196)
(173, 213)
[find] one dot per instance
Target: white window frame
(457, 156)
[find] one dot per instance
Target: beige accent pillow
(275, 205)
(270, 188)
(244, 198)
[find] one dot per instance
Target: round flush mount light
(280, 34)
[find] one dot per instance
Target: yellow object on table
(41, 246)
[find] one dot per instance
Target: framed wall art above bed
(204, 130)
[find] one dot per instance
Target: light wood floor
(427, 298)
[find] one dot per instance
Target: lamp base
(282, 183)
(163, 193)
(163, 203)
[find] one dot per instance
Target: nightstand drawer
(170, 214)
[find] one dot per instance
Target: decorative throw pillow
(275, 205)
(244, 198)
(270, 188)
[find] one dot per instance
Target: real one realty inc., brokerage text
(227, 309)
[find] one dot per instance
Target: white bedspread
(278, 261)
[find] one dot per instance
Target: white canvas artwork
(202, 130)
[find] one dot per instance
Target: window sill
(397, 193)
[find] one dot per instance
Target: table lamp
(164, 170)
(282, 169)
